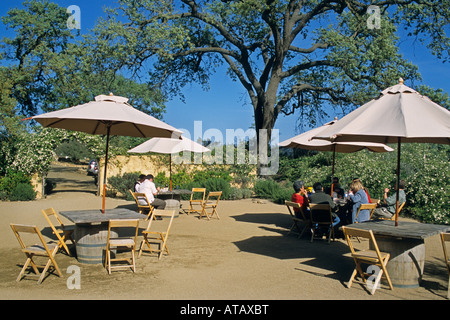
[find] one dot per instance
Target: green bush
(213, 184)
(75, 150)
(23, 192)
(269, 189)
(216, 173)
(124, 183)
(11, 180)
(161, 180)
(238, 194)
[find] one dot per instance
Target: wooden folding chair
(445, 237)
(321, 216)
(371, 257)
(157, 230)
(197, 199)
(142, 203)
(295, 220)
(43, 249)
(121, 243)
(366, 206)
(209, 207)
(62, 232)
(393, 216)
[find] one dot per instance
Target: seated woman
(358, 196)
(300, 196)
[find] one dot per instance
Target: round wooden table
(406, 245)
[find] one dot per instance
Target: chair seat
(38, 249)
(65, 229)
(369, 255)
(153, 232)
(211, 204)
(125, 242)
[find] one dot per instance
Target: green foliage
(238, 193)
(217, 173)
(428, 178)
(11, 180)
(74, 150)
(16, 186)
(178, 179)
(23, 192)
(211, 184)
(33, 152)
(49, 67)
(124, 183)
(309, 56)
(269, 189)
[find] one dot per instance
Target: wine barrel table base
(91, 231)
(406, 245)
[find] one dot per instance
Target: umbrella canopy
(169, 146)
(107, 115)
(399, 114)
(304, 141)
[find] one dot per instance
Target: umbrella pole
(332, 169)
(106, 164)
(170, 172)
(397, 191)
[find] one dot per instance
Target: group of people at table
(146, 185)
(345, 205)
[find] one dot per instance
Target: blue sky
(226, 105)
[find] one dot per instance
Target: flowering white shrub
(34, 152)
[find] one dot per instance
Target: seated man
(321, 197)
(148, 187)
(389, 205)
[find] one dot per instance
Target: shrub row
(121, 185)
(15, 186)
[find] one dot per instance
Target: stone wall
(145, 164)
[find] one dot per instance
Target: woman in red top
(300, 196)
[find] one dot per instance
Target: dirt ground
(246, 255)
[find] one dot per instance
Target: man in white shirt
(148, 187)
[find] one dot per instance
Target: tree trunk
(265, 118)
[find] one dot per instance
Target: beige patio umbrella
(399, 114)
(304, 141)
(107, 115)
(169, 146)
